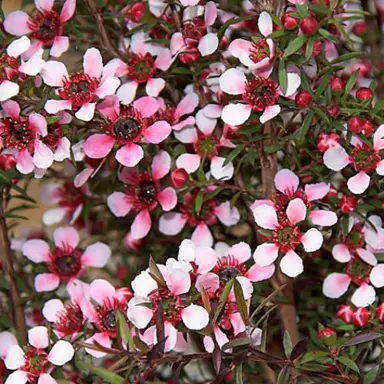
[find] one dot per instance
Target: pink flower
(127, 126)
(66, 261)
(363, 159)
(12, 72)
(141, 68)
(34, 363)
(143, 194)
(45, 27)
(81, 90)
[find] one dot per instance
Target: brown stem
(9, 274)
(268, 171)
(105, 41)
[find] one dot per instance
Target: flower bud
(290, 23)
(359, 28)
(367, 128)
(334, 110)
(7, 162)
(122, 272)
(328, 336)
(380, 312)
(179, 177)
(303, 99)
(136, 12)
(326, 141)
(361, 317)
(309, 26)
(345, 313)
(348, 203)
(337, 85)
(364, 93)
(355, 124)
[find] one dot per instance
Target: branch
(9, 273)
(105, 41)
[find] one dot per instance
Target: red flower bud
(317, 48)
(337, 84)
(326, 3)
(290, 23)
(328, 336)
(345, 313)
(380, 312)
(179, 177)
(334, 110)
(7, 162)
(364, 93)
(303, 99)
(136, 12)
(348, 203)
(361, 317)
(122, 271)
(359, 28)
(326, 141)
(355, 124)
(367, 128)
(309, 26)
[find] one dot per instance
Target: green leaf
(199, 201)
(305, 126)
(273, 148)
(287, 342)
(349, 363)
(52, 119)
(108, 376)
(350, 84)
(240, 302)
(295, 45)
(283, 377)
(324, 83)
(309, 47)
(239, 374)
(233, 154)
(155, 272)
(328, 35)
(283, 79)
(378, 107)
(233, 20)
(347, 57)
(313, 355)
(124, 331)
(222, 300)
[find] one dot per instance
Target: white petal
(195, 317)
(312, 240)
(208, 44)
(364, 295)
(292, 264)
(61, 353)
(336, 158)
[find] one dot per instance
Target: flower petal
(141, 225)
(38, 337)
(167, 198)
(36, 250)
(286, 181)
(15, 357)
(130, 155)
(292, 264)
(363, 296)
(93, 63)
(336, 158)
(226, 214)
(265, 254)
(101, 291)
(269, 113)
(377, 276)
(171, 223)
(16, 23)
(119, 204)
(359, 183)
(195, 317)
(98, 146)
(219, 171)
(208, 44)
(259, 273)
(66, 236)
(323, 217)
(266, 217)
(312, 240)
(61, 353)
(335, 285)
(233, 82)
(157, 132)
(96, 255)
(340, 253)
(46, 282)
(296, 211)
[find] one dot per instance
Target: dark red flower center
(46, 26)
(358, 271)
(141, 67)
(365, 159)
(227, 268)
(259, 51)
(147, 192)
(8, 67)
(16, 133)
(53, 136)
(126, 128)
(261, 93)
(36, 362)
(70, 320)
(66, 262)
(287, 238)
(106, 315)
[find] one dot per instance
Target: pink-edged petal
(335, 285)
(171, 333)
(66, 236)
(265, 254)
(177, 43)
(139, 315)
(108, 87)
(233, 82)
(98, 146)
(220, 336)
(38, 337)
(336, 158)
(240, 251)
(161, 165)
(378, 138)
(359, 183)
(119, 204)
(171, 223)
(127, 92)
(143, 284)
(210, 13)
(93, 63)
(340, 253)
(63, 150)
(83, 177)
(101, 291)
(380, 168)
(206, 259)
(154, 87)
(7, 340)
(46, 282)
(12, 109)
(96, 255)
(53, 73)
(316, 191)
(293, 83)
(266, 217)
(220, 171)
(102, 339)
(17, 377)
(17, 47)
(36, 250)
(8, 89)
(164, 60)
(265, 24)
(147, 106)
(187, 251)
(86, 112)
(68, 10)
(16, 23)
(259, 273)
(292, 264)
(204, 123)
(189, 162)
(246, 286)
(312, 240)
(157, 132)
(44, 5)
(240, 47)
(141, 225)
(187, 135)
(202, 235)
(43, 157)
(226, 214)
(24, 162)
(167, 198)
(178, 282)
(367, 256)
(296, 210)
(208, 44)
(52, 308)
(363, 296)
(286, 181)
(46, 378)
(377, 276)
(236, 114)
(195, 317)
(61, 353)
(269, 113)
(187, 104)
(130, 155)
(323, 217)
(39, 123)
(59, 46)
(15, 357)
(54, 106)
(209, 281)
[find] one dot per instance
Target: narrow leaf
(295, 45)
(222, 300)
(108, 376)
(287, 342)
(349, 363)
(240, 301)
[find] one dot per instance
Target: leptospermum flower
(363, 159)
(80, 92)
(177, 306)
(141, 68)
(127, 126)
(143, 194)
(286, 236)
(259, 94)
(11, 71)
(65, 261)
(33, 363)
(103, 315)
(45, 27)
(257, 56)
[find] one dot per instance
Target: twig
(9, 273)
